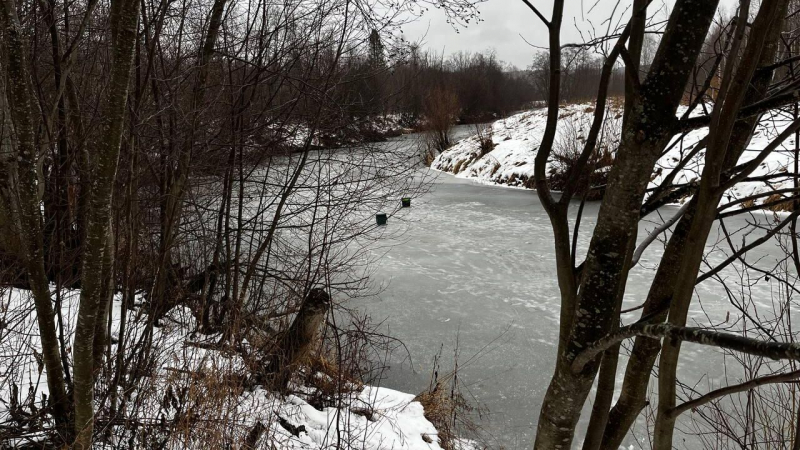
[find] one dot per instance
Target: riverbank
(194, 390)
(515, 142)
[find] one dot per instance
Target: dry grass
(567, 151)
(441, 410)
(485, 136)
(329, 381)
(495, 168)
(448, 410)
(776, 205)
(457, 167)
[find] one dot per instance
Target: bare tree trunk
(732, 95)
(606, 380)
(30, 219)
(637, 374)
(124, 16)
(638, 25)
(607, 377)
(557, 213)
(643, 138)
(103, 313)
(175, 188)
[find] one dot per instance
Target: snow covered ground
(516, 140)
(189, 376)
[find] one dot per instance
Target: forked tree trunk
(643, 138)
(637, 375)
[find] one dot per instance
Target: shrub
(441, 109)
(567, 151)
(485, 141)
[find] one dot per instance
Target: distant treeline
(412, 83)
(581, 66)
(415, 83)
(580, 76)
(483, 86)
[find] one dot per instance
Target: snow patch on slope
(517, 138)
(367, 418)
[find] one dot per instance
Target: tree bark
(643, 138)
(30, 219)
(105, 156)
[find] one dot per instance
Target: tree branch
(730, 341)
(755, 109)
(538, 14)
(660, 229)
(575, 174)
(746, 386)
(748, 247)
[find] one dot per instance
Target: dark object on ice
(406, 201)
(381, 218)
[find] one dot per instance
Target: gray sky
(506, 22)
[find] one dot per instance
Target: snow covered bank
(193, 397)
(516, 140)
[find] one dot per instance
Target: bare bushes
(448, 409)
(217, 239)
(755, 403)
(193, 390)
(568, 149)
(441, 110)
(485, 135)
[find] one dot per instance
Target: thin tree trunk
(607, 377)
(124, 16)
(104, 311)
(761, 40)
(174, 192)
(22, 104)
(606, 380)
(678, 253)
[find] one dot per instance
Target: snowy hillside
(516, 140)
(191, 375)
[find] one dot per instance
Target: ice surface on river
(476, 262)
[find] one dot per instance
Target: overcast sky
(506, 22)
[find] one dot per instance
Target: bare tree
(185, 164)
(592, 290)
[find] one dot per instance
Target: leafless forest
(188, 194)
(189, 165)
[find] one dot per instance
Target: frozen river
(475, 264)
